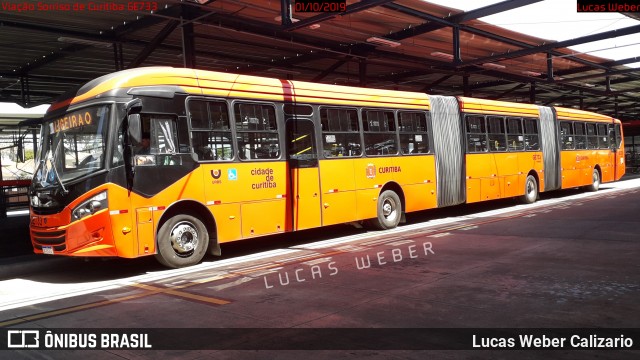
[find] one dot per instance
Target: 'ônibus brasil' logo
(371, 171)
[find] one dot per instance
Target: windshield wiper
(53, 165)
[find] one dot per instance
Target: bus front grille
(53, 238)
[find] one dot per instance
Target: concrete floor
(569, 261)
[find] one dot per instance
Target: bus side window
(515, 139)
(531, 138)
(592, 136)
(340, 132)
(414, 136)
(257, 131)
(379, 127)
(603, 136)
(566, 135)
(476, 134)
(164, 131)
(210, 130)
(581, 138)
(497, 137)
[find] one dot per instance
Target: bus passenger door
(304, 179)
(618, 151)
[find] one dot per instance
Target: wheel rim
(596, 179)
(531, 189)
(389, 210)
(184, 238)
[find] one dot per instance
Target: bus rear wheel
(389, 211)
(530, 190)
(182, 241)
(595, 181)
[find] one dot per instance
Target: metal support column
(465, 86)
(363, 72)
(581, 101)
(22, 90)
(118, 58)
(34, 135)
(116, 62)
(188, 39)
(285, 7)
(456, 45)
(549, 67)
(532, 93)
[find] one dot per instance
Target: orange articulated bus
(230, 157)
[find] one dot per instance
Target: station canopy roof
(389, 44)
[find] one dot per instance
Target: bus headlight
(90, 206)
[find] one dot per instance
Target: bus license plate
(47, 250)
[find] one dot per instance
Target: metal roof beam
(331, 69)
(490, 10)
(606, 65)
(145, 22)
(66, 51)
(153, 44)
(53, 30)
(436, 83)
(353, 8)
(560, 44)
(592, 76)
(500, 96)
(483, 33)
(439, 23)
(506, 40)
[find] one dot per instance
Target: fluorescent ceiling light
(532, 73)
(442, 55)
(294, 20)
(382, 41)
(493, 66)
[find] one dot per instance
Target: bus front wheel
(389, 211)
(182, 241)
(530, 190)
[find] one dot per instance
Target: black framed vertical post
(581, 101)
(456, 45)
(116, 58)
(188, 40)
(363, 72)
(532, 93)
(286, 15)
(549, 67)
(465, 85)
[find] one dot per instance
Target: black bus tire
(530, 190)
(389, 211)
(595, 181)
(182, 241)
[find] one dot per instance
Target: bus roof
(472, 105)
(575, 114)
(200, 82)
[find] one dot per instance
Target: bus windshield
(72, 146)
